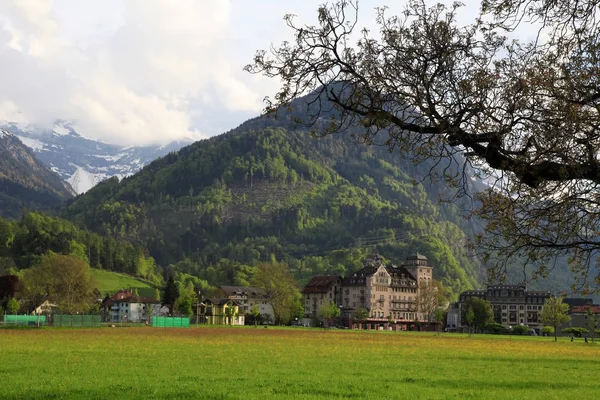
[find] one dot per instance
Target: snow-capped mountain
(84, 162)
(26, 182)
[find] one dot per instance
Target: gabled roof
(321, 284)
(584, 309)
(134, 299)
(398, 272)
(243, 290)
(416, 256)
(220, 301)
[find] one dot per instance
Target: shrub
(495, 328)
(520, 330)
(547, 330)
(577, 332)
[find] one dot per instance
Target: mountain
(84, 162)
(266, 189)
(25, 182)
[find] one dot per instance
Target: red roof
(584, 309)
(321, 284)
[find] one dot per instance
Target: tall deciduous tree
(280, 289)
(64, 280)
(555, 313)
(430, 296)
(327, 312)
(481, 310)
(524, 113)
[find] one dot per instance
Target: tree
(280, 289)
(255, 314)
(170, 294)
(231, 311)
(64, 280)
(470, 318)
(148, 310)
(361, 314)
(524, 114)
(592, 322)
(481, 313)
(440, 317)
(12, 306)
(327, 312)
(186, 300)
(554, 313)
(431, 294)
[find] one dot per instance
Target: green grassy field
(112, 282)
(247, 363)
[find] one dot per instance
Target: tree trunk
(555, 333)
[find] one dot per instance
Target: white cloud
(129, 85)
(139, 71)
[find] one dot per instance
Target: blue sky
(141, 71)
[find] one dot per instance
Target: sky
(135, 72)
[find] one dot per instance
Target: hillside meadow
(246, 363)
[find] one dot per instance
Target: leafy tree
(279, 288)
(361, 314)
(231, 312)
(522, 112)
(12, 306)
(64, 280)
(186, 300)
(440, 315)
(327, 312)
(592, 322)
(148, 309)
(255, 314)
(554, 313)
(431, 294)
(481, 313)
(470, 318)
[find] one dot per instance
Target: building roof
(243, 290)
(577, 301)
(416, 256)
(321, 284)
(220, 301)
(584, 309)
(131, 299)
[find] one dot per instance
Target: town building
(320, 291)
(124, 306)
(511, 305)
(389, 293)
(579, 311)
(221, 311)
(247, 298)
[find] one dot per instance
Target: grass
(247, 363)
(112, 282)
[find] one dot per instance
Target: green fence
(170, 322)
(76, 320)
(30, 320)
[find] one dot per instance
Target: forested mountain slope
(25, 182)
(219, 206)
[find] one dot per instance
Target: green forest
(217, 208)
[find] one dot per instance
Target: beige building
(248, 297)
(388, 292)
